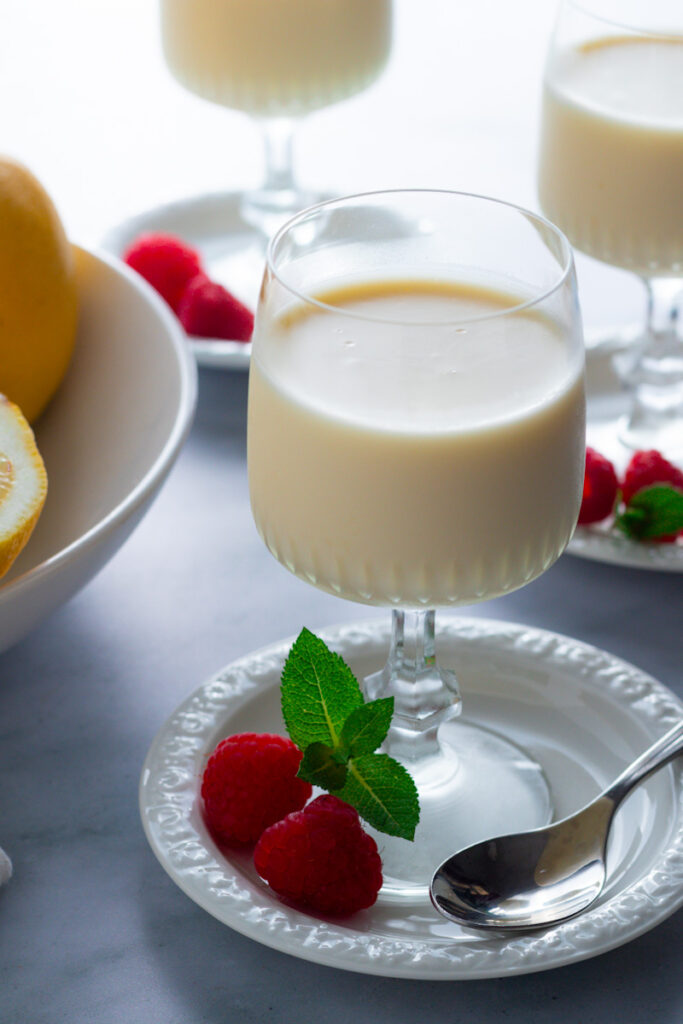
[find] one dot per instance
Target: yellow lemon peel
(38, 292)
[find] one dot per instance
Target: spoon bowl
(536, 879)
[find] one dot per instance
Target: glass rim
(566, 265)
(582, 6)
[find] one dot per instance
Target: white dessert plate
(601, 542)
(109, 438)
(581, 712)
(213, 224)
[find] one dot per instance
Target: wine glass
(611, 176)
(415, 439)
(276, 62)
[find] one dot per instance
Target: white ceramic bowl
(109, 438)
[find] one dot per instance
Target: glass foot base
(481, 786)
(665, 435)
(602, 341)
(611, 428)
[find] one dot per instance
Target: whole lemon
(38, 295)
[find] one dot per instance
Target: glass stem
(654, 371)
(425, 695)
(268, 207)
(278, 148)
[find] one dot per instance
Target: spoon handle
(664, 750)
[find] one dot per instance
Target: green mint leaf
(656, 511)
(323, 767)
(318, 692)
(366, 727)
(383, 793)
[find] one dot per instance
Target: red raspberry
(250, 782)
(600, 487)
(165, 262)
(208, 310)
(321, 858)
(646, 469)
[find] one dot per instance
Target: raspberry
(647, 468)
(600, 487)
(165, 262)
(208, 310)
(321, 859)
(250, 782)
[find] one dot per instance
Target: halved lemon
(23, 483)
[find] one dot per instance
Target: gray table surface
(91, 928)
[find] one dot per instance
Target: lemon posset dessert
(275, 59)
(611, 165)
(445, 477)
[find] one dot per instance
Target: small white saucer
(607, 403)
(602, 543)
(582, 713)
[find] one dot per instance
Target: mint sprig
(338, 732)
(652, 512)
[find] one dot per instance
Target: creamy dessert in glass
(475, 420)
(280, 59)
(611, 176)
(612, 158)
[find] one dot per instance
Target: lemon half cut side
(23, 483)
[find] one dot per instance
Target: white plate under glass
(582, 713)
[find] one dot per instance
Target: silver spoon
(534, 879)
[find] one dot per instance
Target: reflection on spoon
(538, 878)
